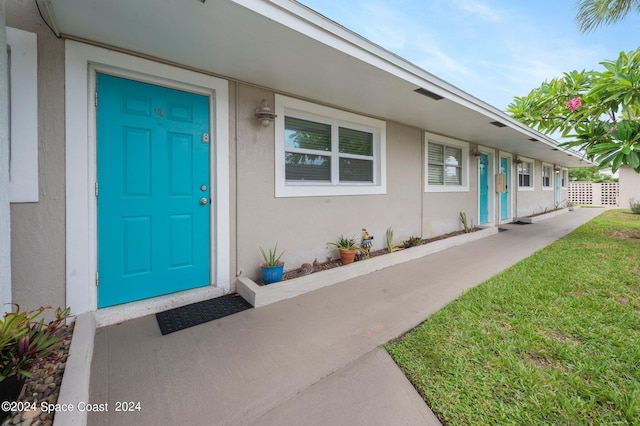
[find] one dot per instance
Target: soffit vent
(429, 94)
(498, 124)
(533, 139)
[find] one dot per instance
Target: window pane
(436, 175)
(524, 180)
(352, 170)
(453, 156)
(435, 154)
(453, 176)
(306, 134)
(304, 167)
(355, 142)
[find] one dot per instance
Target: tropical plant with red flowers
(26, 340)
(598, 112)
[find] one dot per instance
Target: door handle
(203, 201)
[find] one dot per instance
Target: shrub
(25, 340)
(634, 205)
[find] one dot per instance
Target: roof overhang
(285, 46)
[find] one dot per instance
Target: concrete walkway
(311, 360)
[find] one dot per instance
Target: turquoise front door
(484, 188)
(152, 190)
(504, 196)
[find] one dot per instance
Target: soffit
(286, 47)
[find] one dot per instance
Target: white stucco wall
(539, 200)
(629, 186)
(303, 225)
(37, 229)
(5, 220)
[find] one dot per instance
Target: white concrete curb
(75, 381)
(538, 218)
(265, 295)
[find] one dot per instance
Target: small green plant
(463, 220)
(634, 205)
(273, 259)
(413, 242)
(345, 243)
(390, 246)
(25, 340)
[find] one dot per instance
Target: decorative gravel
(43, 387)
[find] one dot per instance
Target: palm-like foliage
(599, 110)
(593, 13)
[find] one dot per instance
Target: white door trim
(510, 187)
(81, 62)
(491, 200)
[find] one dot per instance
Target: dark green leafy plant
(26, 340)
(272, 259)
(345, 243)
(598, 110)
(413, 242)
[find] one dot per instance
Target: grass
(553, 340)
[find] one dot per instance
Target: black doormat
(198, 313)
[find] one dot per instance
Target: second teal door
(153, 190)
(484, 188)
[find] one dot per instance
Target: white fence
(594, 194)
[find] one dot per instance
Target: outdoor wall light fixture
(556, 168)
(264, 114)
(476, 152)
(517, 160)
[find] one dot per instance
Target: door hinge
(97, 279)
(95, 99)
(96, 189)
(205, 138)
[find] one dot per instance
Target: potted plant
(348, 249)
(272, 267)
(25, 341)
(571, 206)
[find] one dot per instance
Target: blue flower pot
(272, 274)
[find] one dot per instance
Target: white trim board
(81, 62)
(23, 178)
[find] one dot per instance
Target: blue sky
(492, 49)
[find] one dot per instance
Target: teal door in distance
(504, 196)
(484, 188)
(153, 190)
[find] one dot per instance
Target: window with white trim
(565, 178)
(547, 176)
(446, 164)
(525, 175)
(324, 151)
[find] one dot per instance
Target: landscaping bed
(334, 272)
(43, 387)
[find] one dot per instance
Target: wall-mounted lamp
(476, 152)
(517, 160)
(556, 168)
(264, 114)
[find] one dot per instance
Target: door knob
(203, 201)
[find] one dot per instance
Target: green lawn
(554, 340)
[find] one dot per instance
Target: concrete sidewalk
(311, 360)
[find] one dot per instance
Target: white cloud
(478, 9)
